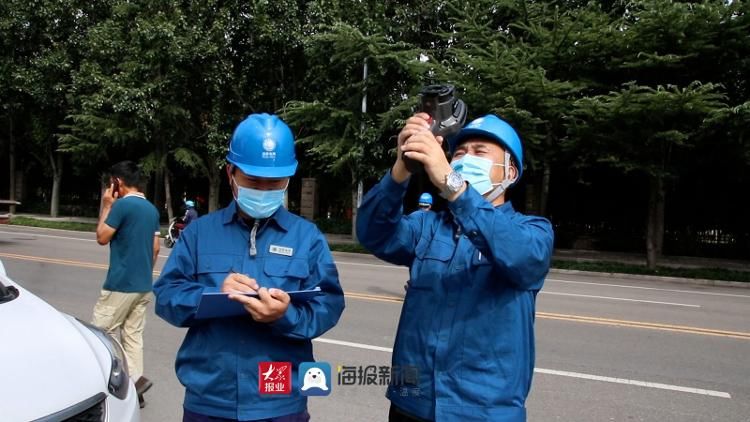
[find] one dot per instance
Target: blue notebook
(218, 304)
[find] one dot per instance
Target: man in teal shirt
(129, 223)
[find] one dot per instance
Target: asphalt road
(608, 348)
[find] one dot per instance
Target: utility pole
(357, 195)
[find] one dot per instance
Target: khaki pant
(126, 313)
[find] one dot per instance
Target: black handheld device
(447, 116)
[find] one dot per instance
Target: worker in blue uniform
(464, 349)
(425, 201)
(252, 245)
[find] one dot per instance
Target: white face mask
(259, 203)
(477, 171)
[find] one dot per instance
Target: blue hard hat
(263, 146)
(190, 203)
(425, 199)
(493, 128)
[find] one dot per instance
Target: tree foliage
(642, 88)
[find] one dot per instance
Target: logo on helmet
(269, 145)
(477, 122)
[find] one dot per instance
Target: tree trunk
(168, 195)
(659, 218)
(214, 184)
(56, 160)
(158, 183)
(12, 165)
(544, 194)
(655, 226)
(356, 200)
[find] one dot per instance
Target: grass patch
(348, 247)
(62, 225)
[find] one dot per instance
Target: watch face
(455, 181)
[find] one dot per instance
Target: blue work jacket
(218, 360)
(466, 333)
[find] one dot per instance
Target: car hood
(48, 364)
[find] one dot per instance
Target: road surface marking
(355, 345)
(556, 280)
(396, 299)
(376, 298)
(647, 325)
(362, 264)
(637, 383)
(620, 298)
(51, 236)
(58, 261)
(396, 267)
(592, 320)
(579, 375)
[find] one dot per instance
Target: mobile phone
(115, 187)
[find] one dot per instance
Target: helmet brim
(475, 133)
(272, 172)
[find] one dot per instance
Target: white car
(54, 367)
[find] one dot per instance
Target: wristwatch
(453, 183)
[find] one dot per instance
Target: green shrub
(334, 225)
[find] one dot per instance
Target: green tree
(44, 39)
(515, 59)
(167, 81)
(356, 80)
(645, 130)
(128, 101)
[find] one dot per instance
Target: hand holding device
(447, 116)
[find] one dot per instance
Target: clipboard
(218, 304)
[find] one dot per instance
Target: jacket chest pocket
(287, 274)
(431, 263)
(213, 269)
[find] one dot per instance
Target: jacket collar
(282, 217)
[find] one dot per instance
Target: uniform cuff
(390, 185)
(465, 204)
(464, 209)
(288, 321)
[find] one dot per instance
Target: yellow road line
(595, 320)
(58, 261)
(395, 299)
(365, 296)
(646, 325)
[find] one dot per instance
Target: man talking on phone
(129, 223)
(466, 333)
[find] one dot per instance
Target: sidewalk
(578, 255)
